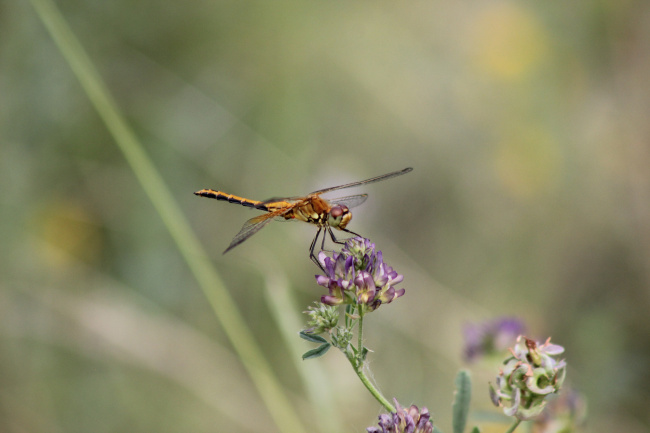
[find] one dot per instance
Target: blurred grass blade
(284, 309)
(461, 401)
(223, 305)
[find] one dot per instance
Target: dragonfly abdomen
(230, 198)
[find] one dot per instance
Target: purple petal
(398, 293)
(322, 280)
(424, 418)
(552, 349)
(331, 300)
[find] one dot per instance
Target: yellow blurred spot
(528, 162)
(508, 42)
(71, 232)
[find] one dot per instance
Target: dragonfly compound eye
(336, 212)
(339, 216)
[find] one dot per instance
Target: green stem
(360, 343)
(358, 362)
(514, 426)
(374, 391)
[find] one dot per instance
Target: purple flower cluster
(491, 337)
(358, 275)
(410, 420)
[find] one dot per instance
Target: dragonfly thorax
(320, 212)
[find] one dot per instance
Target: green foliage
(462, 400)
(312, 337)
(318, 352)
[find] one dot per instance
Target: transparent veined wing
(350, 201)
(253, 226)
(365, 182)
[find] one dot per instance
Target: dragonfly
(312, 208)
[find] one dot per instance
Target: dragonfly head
(339, 216)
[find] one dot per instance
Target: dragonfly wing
(276, 204)
(281, 199)
(251, 227)
(350, 201)
(364, 182)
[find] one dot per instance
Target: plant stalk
(514, 426)
(358, 363)
(373, 390)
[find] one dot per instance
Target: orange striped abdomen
(219, 195)
(231, 198)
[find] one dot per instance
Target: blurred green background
(527, 127)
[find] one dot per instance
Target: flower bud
(323, 318)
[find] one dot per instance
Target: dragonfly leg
(322, 244)
(312, 256)
(336, 241)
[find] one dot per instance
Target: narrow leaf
(364, 353)
(476, 430)
(460, 407)
(315, 353)
(312, 337)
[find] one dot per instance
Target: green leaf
(312, 337)
(315, 353)
(460, 407)
(476, 430)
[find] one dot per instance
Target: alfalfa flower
(358, 275)
(410, 420)
(528, 377)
